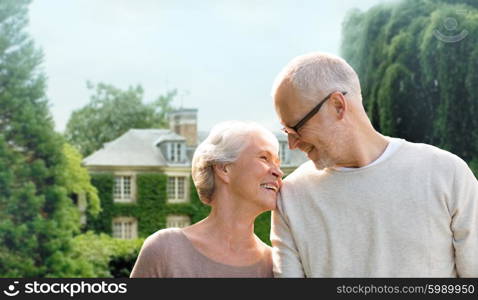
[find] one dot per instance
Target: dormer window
(175, 152)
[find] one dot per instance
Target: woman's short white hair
(224, 144)
(317, 74)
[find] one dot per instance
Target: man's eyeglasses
(295, 129)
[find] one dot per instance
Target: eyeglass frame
(308, 116)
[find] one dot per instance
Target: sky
(221, 56)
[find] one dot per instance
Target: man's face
(319, 138)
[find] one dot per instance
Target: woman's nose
(277, 172)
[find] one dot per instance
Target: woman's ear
(223, 172)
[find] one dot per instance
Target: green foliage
(37, 219)
(474, 166)
(262, 227)
(111, 112)
(103, 221)
(104, 256)
(77, 179)
(416, 85)
(151, 203)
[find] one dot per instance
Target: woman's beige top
(169, 253)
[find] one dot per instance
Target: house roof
(169, 136)
(137, 147)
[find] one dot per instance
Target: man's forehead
(284, 90)
(288, 103)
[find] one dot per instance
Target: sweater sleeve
(465, 221)
(285, 257)
(149, 261)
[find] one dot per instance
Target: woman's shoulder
(167, 234)
(163, 239)
(156, 253)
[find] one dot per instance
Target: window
(175, 150)
(283, 152)
(122, 189)
(125, 228)
(177, 221)
(177, 189)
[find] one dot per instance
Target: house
(158, 151)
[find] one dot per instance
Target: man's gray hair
(317, 74)
(223, 145)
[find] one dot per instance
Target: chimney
(184, 122)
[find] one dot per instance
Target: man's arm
(285, 257)
(465, 221)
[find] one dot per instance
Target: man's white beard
(331, 150)
(324, 161)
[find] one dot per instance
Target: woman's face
(256, 176)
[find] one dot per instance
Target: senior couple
(364, 205)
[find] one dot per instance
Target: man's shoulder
(431, 152)
(432, 159)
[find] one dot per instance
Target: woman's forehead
(262, 142)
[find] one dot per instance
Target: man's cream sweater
(414, 214)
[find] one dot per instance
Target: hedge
(100, 255)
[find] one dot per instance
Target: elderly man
(365, 205)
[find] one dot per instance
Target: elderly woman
(236, 172)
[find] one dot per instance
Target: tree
(418, 72)
(37, 219)
(100, 255)
(77, 180)
(111, 112)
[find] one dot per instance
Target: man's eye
(264, 158)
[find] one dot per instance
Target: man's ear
(223, 172)
(339, 104)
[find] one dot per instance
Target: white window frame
(178, 221)
(175, 151)
(128, 228)
(124, 198)
(174, 197)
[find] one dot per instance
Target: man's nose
(293, 140)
